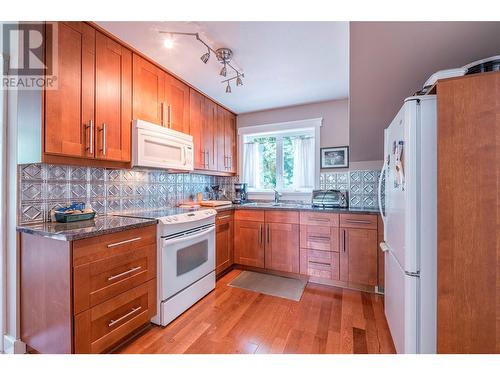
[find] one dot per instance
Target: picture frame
(334, 157)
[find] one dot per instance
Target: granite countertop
(112, 223)
(83, 229)
(296, 207)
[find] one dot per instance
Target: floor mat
(272, 285)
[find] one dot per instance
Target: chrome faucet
(277, 196)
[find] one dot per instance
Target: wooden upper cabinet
(113, 98)
(209, 135)
(226, 141)
(230, 141)
(177, 104)
(197, 122)
(220, 129)
(358, 255)
(69, 110)
(149, 91)
(282, 247)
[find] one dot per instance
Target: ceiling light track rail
(224, 56)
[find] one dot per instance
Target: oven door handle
(173, 241)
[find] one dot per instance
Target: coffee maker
(240, 193)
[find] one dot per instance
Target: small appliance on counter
(240, 193)
(330, 198)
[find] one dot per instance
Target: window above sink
(280, 156)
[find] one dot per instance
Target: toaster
(330, 198)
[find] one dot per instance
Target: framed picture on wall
(334, 157)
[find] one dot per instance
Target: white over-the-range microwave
(155, 146)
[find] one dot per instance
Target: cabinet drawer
(100, 247)
(319, 218)
(101, 327)
(287, 217)
(99, 281)
(316, 263)
(251, 215)
(358, 221)
(224, 217)
(319, 237)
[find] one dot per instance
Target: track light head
(228, 89)
(223, 71)
(205, 57)
(239, 81)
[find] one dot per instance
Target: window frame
(277, 129)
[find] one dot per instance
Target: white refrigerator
(410, 225)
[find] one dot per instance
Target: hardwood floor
(232, 320)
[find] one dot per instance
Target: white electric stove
(186, 259)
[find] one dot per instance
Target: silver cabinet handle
(103, 130)
(91, 136)
(319, 238)
(268, 236)
(224, 217)
(319, 219)
(354, 221)
(208, 159)
(124, 242)
(134, 310)
(343, 241)
(169, 116)
(124, 273)
(162, 109)
(260, 234)
(320, 263)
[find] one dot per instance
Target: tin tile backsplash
(362, 186)
(44, 186)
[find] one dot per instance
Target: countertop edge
(30, 229)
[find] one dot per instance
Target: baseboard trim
(11, 345)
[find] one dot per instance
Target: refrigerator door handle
(382, 173)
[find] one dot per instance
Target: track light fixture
(224, 56)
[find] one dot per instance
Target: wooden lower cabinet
(102, 326)
(96, 291)
(310, 243)
(282, 247)
(249, 243)
(358, 256)
(318, 263)
(224, 254)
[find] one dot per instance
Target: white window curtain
(251, 168)
(303, 163)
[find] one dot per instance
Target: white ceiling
(285, 63)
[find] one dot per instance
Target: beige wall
(391, 60)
